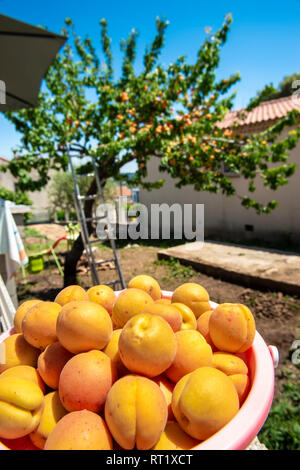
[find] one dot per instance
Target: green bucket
(35, 264)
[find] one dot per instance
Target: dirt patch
(52, 231)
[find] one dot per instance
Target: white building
(225, 217)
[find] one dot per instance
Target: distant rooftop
(263, 115)
(123, 191)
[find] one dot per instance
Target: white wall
(6, 179)
(40, 199)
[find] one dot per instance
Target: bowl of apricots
(140, 368)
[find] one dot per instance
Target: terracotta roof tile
(125, 191)
(263, 113)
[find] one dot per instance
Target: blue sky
(263, 44)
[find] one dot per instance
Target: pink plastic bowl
(244, 427)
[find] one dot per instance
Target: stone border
(248, 280)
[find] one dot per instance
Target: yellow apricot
(167, 388)
(203, 326)
(242, 384)
(16, 422)
(15, 350)
(146, 283)
(163, 301)
(204, 401)
(83, 325)
(229, 363)
(39, 324)
(25, 372)
(130, 302)
(20, 406)
(70, 293)
(166, 311)
(192, 352)
(20, 392)
(194, 296)
(21, 312)
(174, 438)
(147, 345)
(136, 412)
(112, 351)
(52, 411)
(102, 295)
(189, 321)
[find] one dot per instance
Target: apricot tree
(169, 112)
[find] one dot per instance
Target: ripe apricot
(79, 430)
(188, 318)
(194, 296)
(204, 401)
(15, 350)
(192, 352)
(70, 293)
(147, 345)
(236, 369)
(21, 312)
(166, 311)
(25, 372)
(39, 324)
(83, 325)
(52, 411)
(51, 362)
(166, 387)
(242, 384)
(163, 301)
(174, 438)
(102, 295)
(112, 351)
(203, 327)
(130, 302)
(86, 380)
(146, 283)
(229, 363)
(232, 327)
(136, 412)
(20, 406)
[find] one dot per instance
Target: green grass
(177, 270)
(31, 232)
(281, 430)
(37, 247)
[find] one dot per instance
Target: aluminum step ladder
(116, 284)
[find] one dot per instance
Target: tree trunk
(71, 260)
(74, 255)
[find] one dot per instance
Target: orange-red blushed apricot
(80, 430)
(232, 327)
(86, 380)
